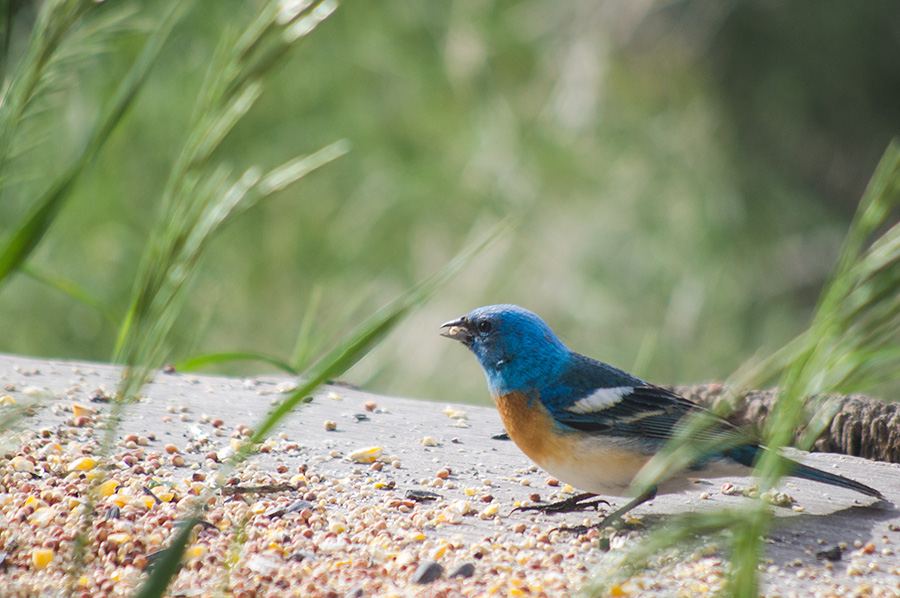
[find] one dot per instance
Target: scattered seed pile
(277, 532)
(361, 515)
(264, 533)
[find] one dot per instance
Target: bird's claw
(569, 505)
(575, 529)
(579, 530)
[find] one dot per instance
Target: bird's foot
(613, 518)
(579, 530)
(579, 502)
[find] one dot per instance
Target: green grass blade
(199, 362)
(170, 562)
(10, 416)
(179, 241)
(28, 234)
(6, 8)
(303, 345)
(73, 290)
(54, 21)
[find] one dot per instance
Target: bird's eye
(484, 327)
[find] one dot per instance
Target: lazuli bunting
(585, 422)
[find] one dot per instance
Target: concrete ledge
(459, 462)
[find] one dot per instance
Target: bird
(591, 424)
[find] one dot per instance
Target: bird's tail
(817, 475)
(747, 455)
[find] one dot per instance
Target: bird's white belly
(608, 468)
(604, 469)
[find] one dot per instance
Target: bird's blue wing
(597, 398)
(640, 411)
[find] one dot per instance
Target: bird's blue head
(517, 350)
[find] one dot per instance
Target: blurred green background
(683, 174)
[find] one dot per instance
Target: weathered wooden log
(862, 426)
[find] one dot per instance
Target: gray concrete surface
(177, 408)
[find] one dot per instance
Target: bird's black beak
(458, 330)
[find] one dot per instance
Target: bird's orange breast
(532, 428)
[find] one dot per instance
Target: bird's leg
(579, 502)
(616, 515)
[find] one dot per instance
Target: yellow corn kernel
(471, 491)
(366, 455)
(41, 557)
(7, 401)
(416, 536)
(120, 500)
(82, 464)
(33, 501)
(630, 519)
(196, 552)
(451, 515)
(617, 591)
(489, 511)
(109, 487)
(119, 537)
(79, 410)
(83, 581)
(338, 527)
(439, 552)
(144, 501)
